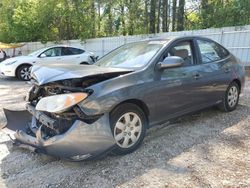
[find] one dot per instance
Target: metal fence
(236, 39)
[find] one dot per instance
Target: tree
(158, 16)
(165, 15)
(205, 12)
(122, 17)
(93, 13)
(146, 17)
(55, 20)
(152, 16)
(109, 19)
(131, 18)
(180, 16)
(174, 15)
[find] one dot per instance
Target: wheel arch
(137, 102)
(237, 81)
(28, 64)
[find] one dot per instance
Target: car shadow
(6, 78)
(161, 145)
(13, 81)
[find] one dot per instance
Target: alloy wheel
(25, 73)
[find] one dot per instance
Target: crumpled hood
(27, 59)
(56, 72)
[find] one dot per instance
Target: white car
(20, 66)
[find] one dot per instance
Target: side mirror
(170, 62)
(43, 55)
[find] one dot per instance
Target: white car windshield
(133, 55)
(36, 53)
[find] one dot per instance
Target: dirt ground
(208, 149)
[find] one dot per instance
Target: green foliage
(221, 13)
(192, 21)
(55, 20)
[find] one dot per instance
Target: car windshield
(36, 53)
(133, 55)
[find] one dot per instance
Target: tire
(231, 98)
(127, 133)
(23, 72)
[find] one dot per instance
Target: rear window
(76, 51)
(72, 51)
(211, 51)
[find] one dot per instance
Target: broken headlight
(60, 103)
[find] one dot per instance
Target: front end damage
(67, 133)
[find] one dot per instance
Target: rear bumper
(81, 141)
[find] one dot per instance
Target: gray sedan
(84, 112)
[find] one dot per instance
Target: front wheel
(128, 125)
(23, 72)
(231, 98)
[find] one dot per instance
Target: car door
(178, 89)
(51, 55)
(73, 55)
(215, 68)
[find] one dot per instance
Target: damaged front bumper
(81, 141)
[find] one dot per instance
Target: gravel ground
(207, 149)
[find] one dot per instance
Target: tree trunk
(180, 18)
(204, 13)
(146, 16)
(93, 19)
(174, 15)
(68, 34)
(165, 16)
(131, 17)
(110, 19)
(158, 16)
(152, 16)
(78, 16)
(123, 19)
(99, 15)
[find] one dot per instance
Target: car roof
(171, 38)
(64, 45)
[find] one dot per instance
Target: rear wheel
(23, 72)
(128, 125)
(231, 98)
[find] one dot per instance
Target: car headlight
(60, 103)
(10, 63)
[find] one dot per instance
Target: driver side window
(182, 49)
(52, 52)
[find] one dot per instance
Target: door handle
(197, 76)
